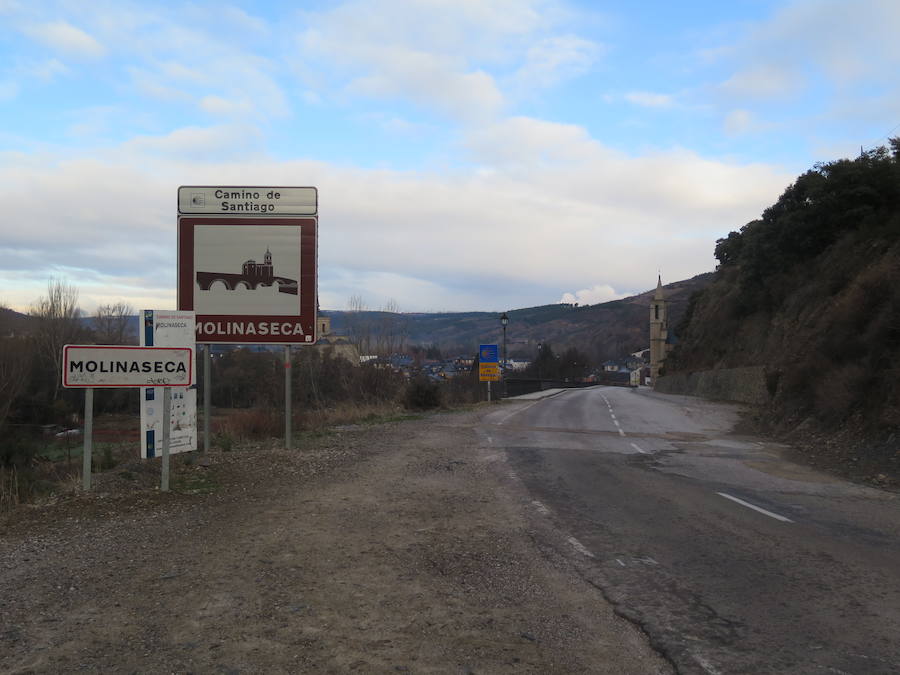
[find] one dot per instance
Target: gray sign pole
(166, 434)
(287, 397)
(489, 391)
(88, 438)
(207, 394)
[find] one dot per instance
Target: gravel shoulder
(403, 547)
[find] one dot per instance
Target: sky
(468, 154)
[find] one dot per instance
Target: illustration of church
(260, 271)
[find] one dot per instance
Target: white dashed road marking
(578, 546)
(755, 508)
(639, 449)
(613, 415)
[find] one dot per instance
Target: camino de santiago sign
(488, 363)
(247, 260)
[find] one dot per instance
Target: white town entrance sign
(125, 366)
(247, 263)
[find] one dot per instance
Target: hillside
(12, 322)
(603, 331)
(811, 291)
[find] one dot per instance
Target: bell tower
(659, 331)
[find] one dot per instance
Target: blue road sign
(488, 354)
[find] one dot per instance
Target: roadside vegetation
(811, 290)
(40, 422)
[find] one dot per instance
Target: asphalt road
(729, 557)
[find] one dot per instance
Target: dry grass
(345, 413)
(250, 423)
(10, 492)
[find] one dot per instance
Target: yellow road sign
(488, 372)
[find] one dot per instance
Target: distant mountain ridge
(603, 331)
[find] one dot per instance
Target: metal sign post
(207, 395)
(88, 438)
(287, 397)
(167, 435)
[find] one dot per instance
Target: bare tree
(359, 328)
(393, 329)
(56, 324)
(112, 324)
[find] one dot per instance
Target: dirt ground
(402, 547)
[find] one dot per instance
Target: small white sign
(247, 200)
(168, 328)
(126, 366)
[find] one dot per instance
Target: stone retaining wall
(742, 385)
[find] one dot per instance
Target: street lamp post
(504, 320)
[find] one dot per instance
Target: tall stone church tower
(659, 331)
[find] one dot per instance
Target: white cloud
(244, 20)
(739, 122)
(522, 141)
(452, 56)
(397, 126)
(65, 37)
(216, 105)
(205, 143)
(849, 44)
(556, 58)
(546, 209)
(649, 99)
(428, 80)
(767, 81)
(593, 295)
(46, 71)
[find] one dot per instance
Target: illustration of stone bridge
(250, 282)
(252, 276)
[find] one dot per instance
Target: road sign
(488, 354)
(249, 280)
(126, 366)
(488, 372)
(488, 363)
(163, 328)
(247, 200)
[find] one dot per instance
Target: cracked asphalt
(729, 557)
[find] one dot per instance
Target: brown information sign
(249, 280)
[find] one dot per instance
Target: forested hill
(811, 290)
